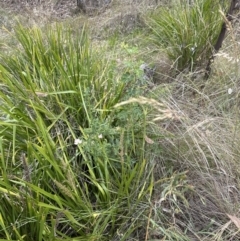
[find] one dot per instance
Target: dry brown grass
(205, 144)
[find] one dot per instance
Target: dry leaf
(148, 140)
(41, 94)
(235, 220)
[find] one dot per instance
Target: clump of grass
(72, 165)
(187, 31)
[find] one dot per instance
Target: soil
(52, 8)
(62, 9)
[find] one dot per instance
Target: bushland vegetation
(112, 131)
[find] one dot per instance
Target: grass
(74, 162)
(90, 151)
(187, 31)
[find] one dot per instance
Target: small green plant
(188, 31)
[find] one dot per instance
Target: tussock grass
(71, 164)
(187, 31)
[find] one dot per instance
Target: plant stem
(221, 37)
